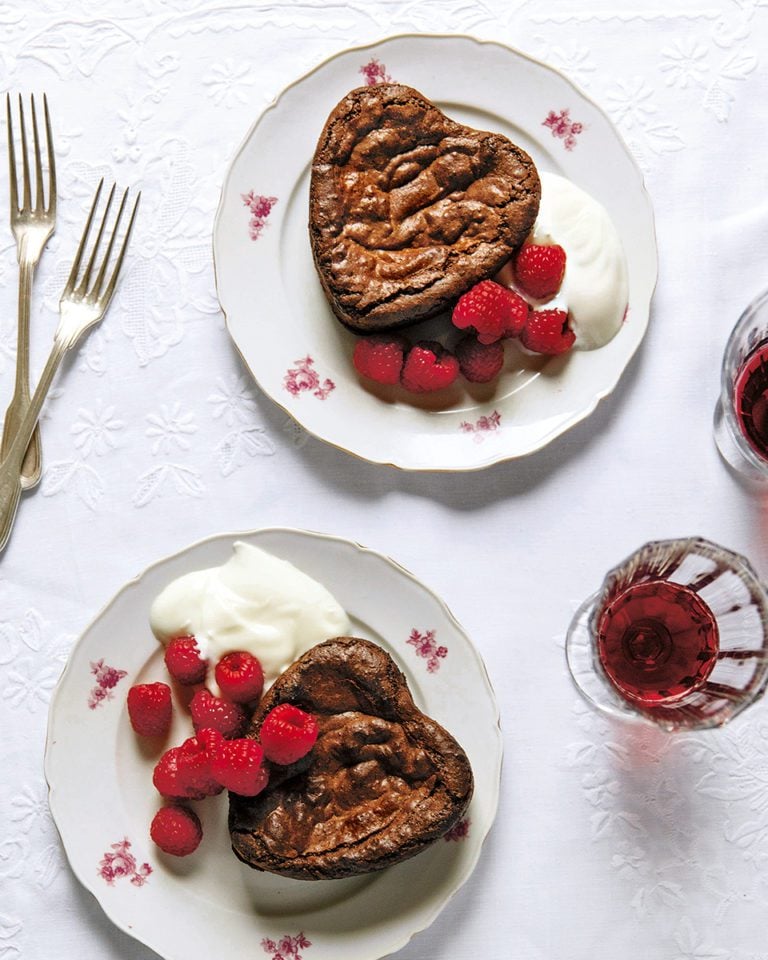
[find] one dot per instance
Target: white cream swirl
(595, 287)
(253, 602)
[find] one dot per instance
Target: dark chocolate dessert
(382, 782)
(408, 209)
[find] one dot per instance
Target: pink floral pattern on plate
(260, 208)
(459, 831)
(107, 679)
(427, 648)
(563, 127)
(287, 948)
(304, 377)
(375, 72)
(119, 862)
(482, 426)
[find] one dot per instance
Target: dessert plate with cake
(343, 849)
(435, 253)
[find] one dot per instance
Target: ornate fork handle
(10, 468)
(20, 400)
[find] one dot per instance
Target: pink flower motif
(304, 377)
(375, 72)
(482, 426)
(287, 949)
(110, 677)
(120, 862)
(459, 831)
(427, 648)
(260, 208)
(563, 127)
(107, 679)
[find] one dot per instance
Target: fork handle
(26, 277)
(10, 468)
(32, 464)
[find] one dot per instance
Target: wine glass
(741, 414)
(676, 635)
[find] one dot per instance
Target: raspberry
(429, 366)
(287, 733)
(183, 660)
(380, 358)
(185, 772)
(217, 714)
(539, 269)
(176, 830)
(240, 677)
(239, 766)
(150, 709)
(169, 779)
(518, 314)
(479, 362)
(196, 761)
(491, 310)
(547, 331)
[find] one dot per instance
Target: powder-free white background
(608, 842)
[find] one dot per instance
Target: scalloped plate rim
(502, 456)
(90, 885)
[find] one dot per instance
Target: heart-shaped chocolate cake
(408, 209)
(382, 782)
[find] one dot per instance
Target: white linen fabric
(610, 841)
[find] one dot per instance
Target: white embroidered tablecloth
(610, 841)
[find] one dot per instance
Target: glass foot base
(587, 674)
(742, 461)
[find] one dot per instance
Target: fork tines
(26, 200)
(102, 288)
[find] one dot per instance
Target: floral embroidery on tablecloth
(119, 862)
(10, 932)
(296, 434)
(228, 82)
(170, 427)
(642, 786)
(95, 433)
(427, 648)
(234, 404)
(168, 479)
(233, 400)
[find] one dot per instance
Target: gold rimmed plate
(102, 798)
(280, 321)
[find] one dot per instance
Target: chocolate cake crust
(382, 782)
(408, 209)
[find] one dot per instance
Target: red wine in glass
(751, 399)
(676, 635)
(657, 641)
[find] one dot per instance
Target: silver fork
(82, 305)
(32, 225)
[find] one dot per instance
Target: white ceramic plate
(210, 904)
(277, 314)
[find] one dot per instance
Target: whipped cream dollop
(595, 289)
(254, 602)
